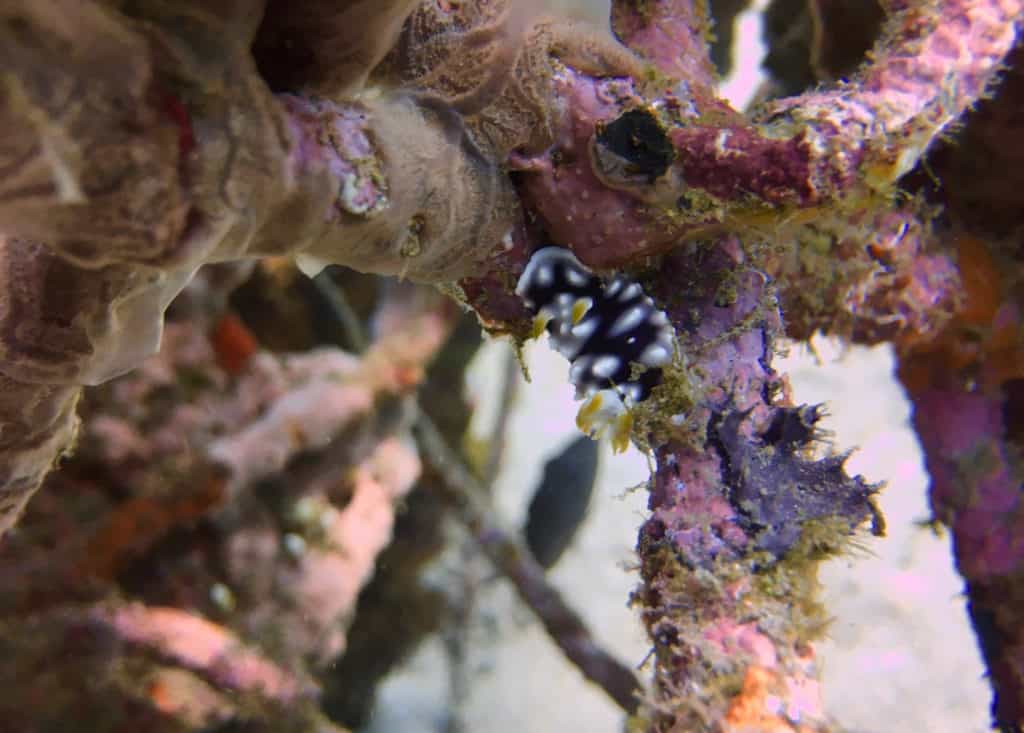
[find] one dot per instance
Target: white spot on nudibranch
(655, 355)
(605, 366)
(630, 292)
(627, 321)
(575, 277)
(585, 328)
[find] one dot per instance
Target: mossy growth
(793, 579)
(663, 415)
(782, 599)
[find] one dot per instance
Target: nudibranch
(612, 333)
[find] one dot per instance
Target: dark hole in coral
(638, 138)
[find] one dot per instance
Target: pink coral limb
(965, 387)
(852, 142)
(198, 645)
(976, 491)
(160, 668)
(308, 594)
(740, 514)
(331, 390)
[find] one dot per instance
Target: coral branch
(676, 164)
(741, 513)
(201, 646)
(965, 388)
(160, 668)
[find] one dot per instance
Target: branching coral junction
(143, 140)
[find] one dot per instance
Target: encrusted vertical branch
(976, 491)
(965, 387)
(741, 513)
(964, 381)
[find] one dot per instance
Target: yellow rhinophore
(580, 308)
(540, 322)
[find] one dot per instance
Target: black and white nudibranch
(613, 335)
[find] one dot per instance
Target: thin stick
(510, 377)
(342, 311)
(564, 626)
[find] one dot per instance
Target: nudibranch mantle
(603, 329)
